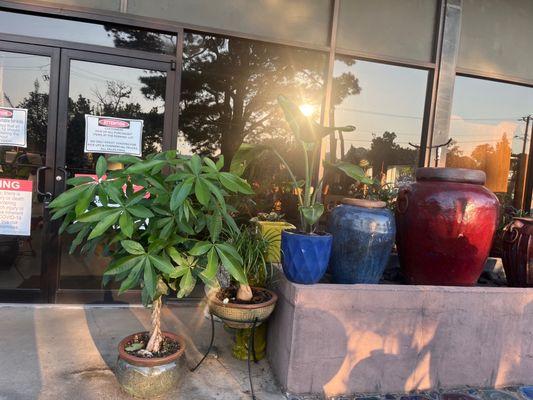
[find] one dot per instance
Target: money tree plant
(160, 220)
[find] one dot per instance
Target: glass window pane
(88, 33)
(386, 106)
(229, 91)
(24, 83)
(113, 91)
(306, 21)
(488, 132)
(403, 29)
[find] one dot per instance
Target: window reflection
(88, 33)
(488, 133)
(229, 91)
(24, 83)
(386, 105)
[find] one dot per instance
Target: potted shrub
(305, 252)
(270, 225)
(160, 219)
(253, 249)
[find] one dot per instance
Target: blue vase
(363, 234)
(305, 257)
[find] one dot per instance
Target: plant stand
(251, 347)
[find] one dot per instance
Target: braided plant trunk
(156, 337)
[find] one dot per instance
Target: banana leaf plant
(308, 134)
(160, 219)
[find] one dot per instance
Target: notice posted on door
(13, 122)
(15, 207)
(109, 135)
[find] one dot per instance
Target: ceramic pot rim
(273, 299)
(151, 362)
(281, 224)
(459, 175)
(364, 203)
(294, 232)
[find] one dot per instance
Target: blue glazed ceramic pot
(305, 257)
(363, 234)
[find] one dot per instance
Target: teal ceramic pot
(363, 235)
(149, 378)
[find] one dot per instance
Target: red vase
(518, 252)
(445, 224)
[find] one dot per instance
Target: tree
(384, 152)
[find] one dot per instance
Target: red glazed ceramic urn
(445, 225)
(518, 252)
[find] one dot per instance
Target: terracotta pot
(518, 252)
(445, 225)
(238, 316)
(149, 377)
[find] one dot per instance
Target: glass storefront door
(28, 85)
(105, 86)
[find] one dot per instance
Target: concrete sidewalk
(68, 352)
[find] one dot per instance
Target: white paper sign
(111, 135)
(15, 207)
(13, 123)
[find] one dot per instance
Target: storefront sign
(15, 207)
(13, 123)
(110, 135)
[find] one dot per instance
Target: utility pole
(521, 196)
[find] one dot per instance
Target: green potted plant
(163, 236)
(253, 249)
(305, 252)
(270, 225)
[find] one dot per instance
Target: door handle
(47, 195)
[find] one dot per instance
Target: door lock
(59, 178)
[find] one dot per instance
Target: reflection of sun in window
(307, 109)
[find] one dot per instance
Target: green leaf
(70, 196)
(126, 224)
(195, 164)
(313, 213)
(133, 278)
(232, 265)
(211, 269)
(124, 159)
(209, 163)
(60, 212)
(101, 166)
(176, 256)
(234, 183)
(140, 211)
(187, 283)
(104, 224)
(180, 193)
(85, 199)
(96, 214)
(351, 170)
(214, 225)
(200, 248)
(150, 282)
(132, 247)
(144, 166)
(134, 346)
(79, 180)
(161, 264)
(122, 264)
(201, 191)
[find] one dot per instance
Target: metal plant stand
(251, 346)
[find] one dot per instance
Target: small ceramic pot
(518, 252)
(241, 316)
(150, 377)
(363, 235)
(305, 257)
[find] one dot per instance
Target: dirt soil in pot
(137, 345)
(258, 296)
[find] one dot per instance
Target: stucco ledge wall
(344, 339)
